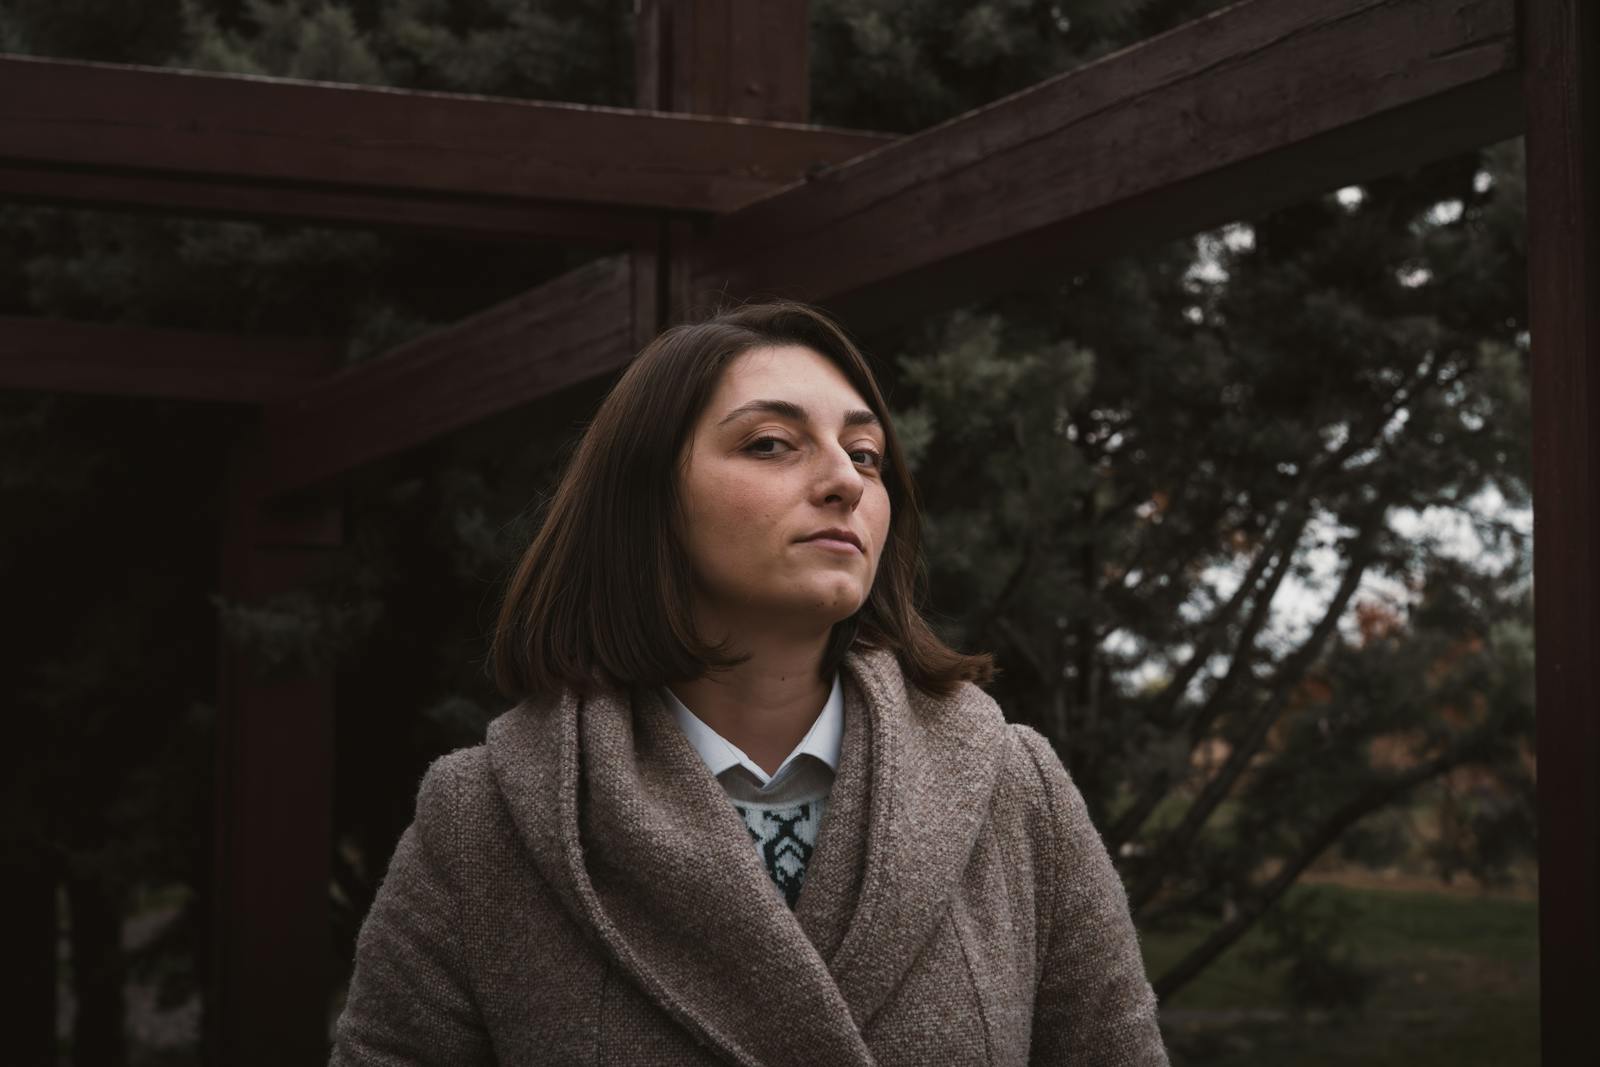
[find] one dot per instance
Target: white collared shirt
(805, 774)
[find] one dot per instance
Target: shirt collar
(823, 740)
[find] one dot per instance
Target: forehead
(785, 372)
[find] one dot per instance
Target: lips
(835, 534)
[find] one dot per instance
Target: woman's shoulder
(459, 768)
(1049, 809)
(1036, 759)
(1031, 777)
(474, 790)
(1038, 790)
(453, 786)
(460, 801)
(1028, 758)
(466, 775)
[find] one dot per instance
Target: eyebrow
(790, 410)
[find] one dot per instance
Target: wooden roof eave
(1253, 107)
(578, 326)
(236, 144)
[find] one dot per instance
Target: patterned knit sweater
(784, 835)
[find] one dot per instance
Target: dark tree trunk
(97, 975)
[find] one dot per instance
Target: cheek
(736, 512)
(730, 520)
(880, 524)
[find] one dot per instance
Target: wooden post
(1561, 64)
(268, 1001)
(28, 893)
(728, 58)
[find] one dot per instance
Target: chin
(834, 605)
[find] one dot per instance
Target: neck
(766, 704)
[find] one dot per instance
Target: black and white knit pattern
(785, 835)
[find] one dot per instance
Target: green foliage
(551, 51)
(1457, 983)
(1309, 934)
(296, 633)
(312, 42)
(122, 31)
(903, 65)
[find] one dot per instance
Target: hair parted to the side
(603, 593)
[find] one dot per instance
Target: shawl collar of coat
(643, 847)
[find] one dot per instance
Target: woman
(714, 643)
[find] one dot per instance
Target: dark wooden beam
(1562, 89)
(576, 327)
(1257, 105)
(468, 218)
(231, 130)
(78, 357)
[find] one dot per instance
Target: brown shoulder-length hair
(603, 594)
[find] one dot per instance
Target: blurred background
(1244, 517)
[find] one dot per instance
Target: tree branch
(1279, 547)
(1323, 466)
(1247, 744)
(1371, 799)
(1014, 580)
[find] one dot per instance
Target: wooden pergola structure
(716, 185)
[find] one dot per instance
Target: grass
(1457, 983)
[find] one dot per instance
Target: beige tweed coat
(579, 890)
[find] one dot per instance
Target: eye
(873, 458)
(760, 445)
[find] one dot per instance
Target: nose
(839, 481)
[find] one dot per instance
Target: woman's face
(786, 450)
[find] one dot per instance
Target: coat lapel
(643, 847)
(534, 760)
(832, 887)
(655, 861)
(934, 765)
